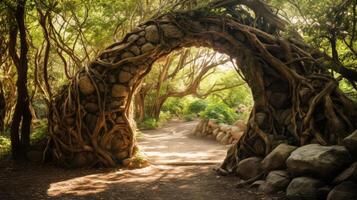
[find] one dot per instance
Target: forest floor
(182, 168)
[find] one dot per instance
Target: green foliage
(164, 117)
(189, 117)
(148, 123)
(5, 146)
(221, 112)
(197, 106)
(175, 106)
(39, 130)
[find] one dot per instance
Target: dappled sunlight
(96, 183)
(174, 144)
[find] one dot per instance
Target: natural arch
(295, 100)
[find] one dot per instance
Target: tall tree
(21, 120)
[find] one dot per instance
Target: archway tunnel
(295, 100)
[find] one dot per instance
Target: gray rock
(350, 142)
(304, 188)
(344, 191)
(171, 31)
(141, 41)
(147, 47)
(119, 91)
(85, 85)
(152, 34)
(348, 174)
(135, 50)
(275, 181)
(249, 168)
(124, 76)
(133, 38)
(276, 159)
(318, 161)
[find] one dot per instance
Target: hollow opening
(184, 90)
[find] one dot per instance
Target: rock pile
(309, 172)
(223, 133)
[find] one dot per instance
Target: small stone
(304, 188)
(249, 168)
(132, 38)
(220, 136)
(225, 139)
(91, 107)
(124, 76)
(318, 161)
(276, 159)
(275, 181)
(171, 31)
(127, 55)
(116, 104)
(152, 34)
(350, 142)
(119, 91)
(344, 191)
(141, 41)
(85, 85)
(147, 47)
(236, 133)
(135, 50)
(142, 33)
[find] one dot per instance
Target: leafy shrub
(164, 117)
(175, 106)
(221, 112)
(39, 131)
(148, 123)
(5, 146)
(197, 107)
(189, 117)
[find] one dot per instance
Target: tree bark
(21, 120)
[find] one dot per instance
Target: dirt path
(174, 144)
(182, 169)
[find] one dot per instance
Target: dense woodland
(44, 43)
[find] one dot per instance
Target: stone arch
(89, 121)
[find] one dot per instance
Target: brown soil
(182, 168)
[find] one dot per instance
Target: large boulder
(318, 161)
(350, 142)
(344, 191)
(348, 174)
(304, 188)
(249, 168)
(276, 181)
(276, 159)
